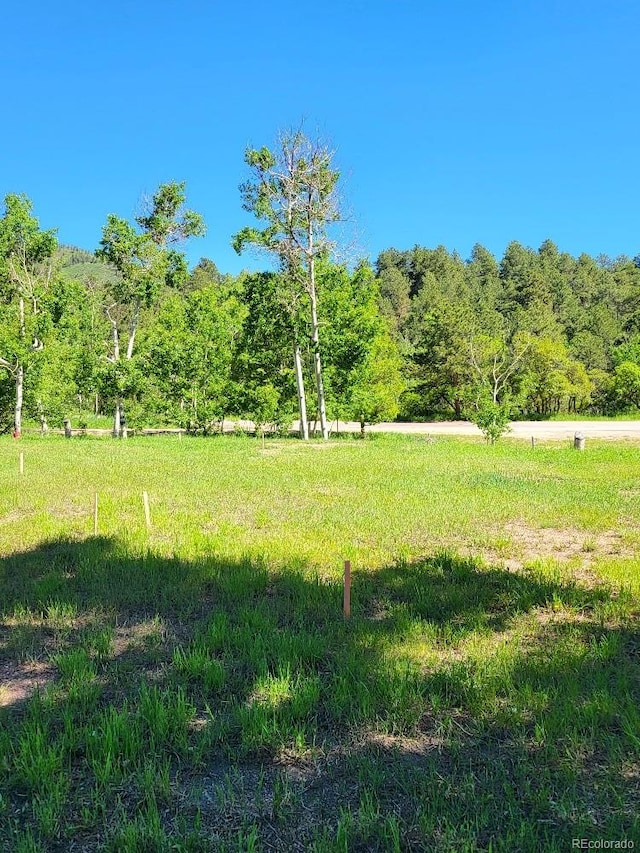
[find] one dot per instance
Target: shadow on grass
(462, 707)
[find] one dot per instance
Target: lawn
(194, 686)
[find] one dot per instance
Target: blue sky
(453, 122)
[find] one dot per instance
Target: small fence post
(147, 514)
(578, 441)
(347, 589)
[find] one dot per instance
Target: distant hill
(77, 264)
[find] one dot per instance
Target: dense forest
(128, 331)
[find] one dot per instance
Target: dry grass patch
(517, 545)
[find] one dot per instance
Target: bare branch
(12, 368)
(501, 367)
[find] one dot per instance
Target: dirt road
(555, 430)
(551, 430)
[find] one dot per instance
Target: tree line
(129, 331)
(535, 333)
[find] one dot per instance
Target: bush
(492, 419)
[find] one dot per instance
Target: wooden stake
(347, 589)
(95, 514)
(533, 441)
(147, 515)
(21, 462)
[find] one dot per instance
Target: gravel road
(556, 430)
(553, 430)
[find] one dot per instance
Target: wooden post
(347, 589)
(533, 441)
(578, 441)
(67, 428)
(95, 514)
(21, 463)
(147, 515)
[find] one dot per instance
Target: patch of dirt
(20, 678)
(16, 515)
(418, 746)
(291, 795)
(18, 681)
(142, 635)
(528, 544)
(71, 511)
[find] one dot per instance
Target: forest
(129, 332)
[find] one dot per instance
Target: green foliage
(7, 399)
(550, 380)
(629, 351)
(551, 332)
(190, 350)
(377, 383)
(144, 257)
(361, 359)
(166, 222)
(146, 262)
(492, 419)
(261, 404)
(626, 383)
(25, 271)
(294, 192)
(579, 315)
(25, 275)
(22, 243)
(53, 388)
(442, 373)
(263, 370)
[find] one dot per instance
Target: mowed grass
(195, 687)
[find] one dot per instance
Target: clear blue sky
(453, 122)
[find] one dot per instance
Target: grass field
(195, 687)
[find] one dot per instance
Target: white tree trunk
(116, 358)
(133, 326)
(17, 415)
(17, 419)
(120, 416)
(315, 338)
(116, 420)
(302, 402)
(44, 426)
(119, 420)
(123, 420)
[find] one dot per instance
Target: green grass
(200, 690)
(630, 415)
